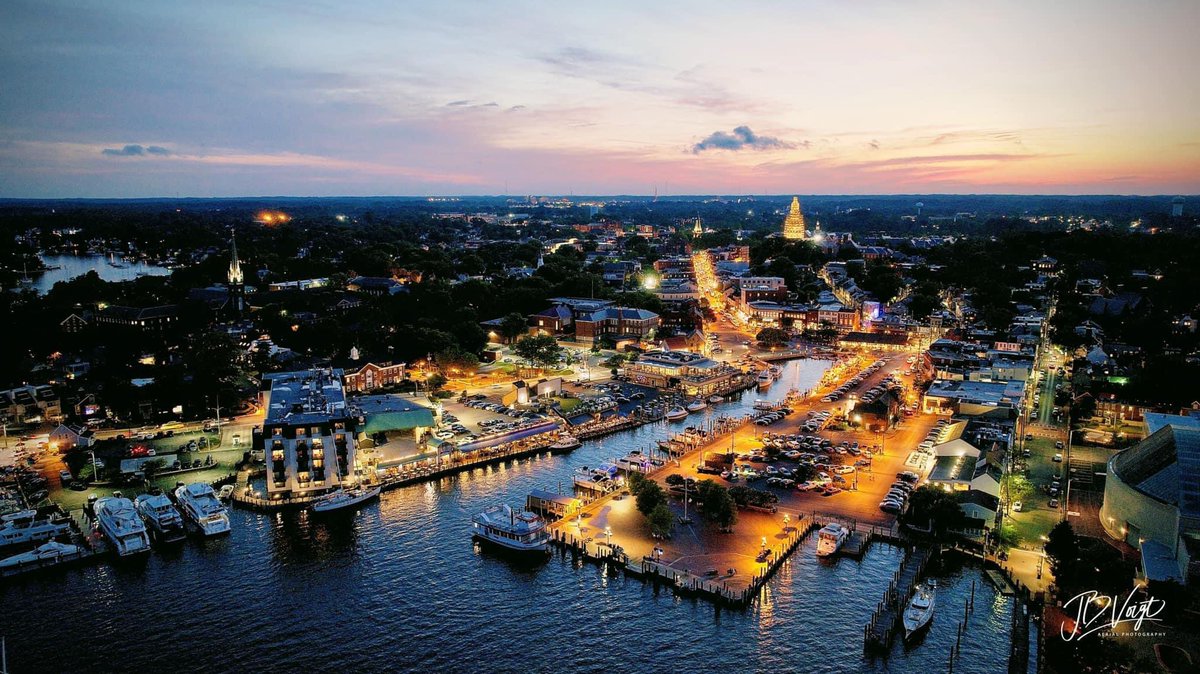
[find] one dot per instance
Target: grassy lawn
(225, 461)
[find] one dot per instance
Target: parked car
(1016, 506)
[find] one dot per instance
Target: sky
(120, 98)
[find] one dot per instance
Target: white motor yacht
(200, 506)
(121, 525)
(765, 379)
(25, 527)
(521, 531)
(44, 553)
(697, 405)
(160, 515)
(715, 400)
(565, 443)
(920, 609)
(831, 538)
(677, 414)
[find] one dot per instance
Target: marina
(427, 515)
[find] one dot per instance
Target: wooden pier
(881, 628)
(682, 582)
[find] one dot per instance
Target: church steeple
(234, 275)
(234, 279)
(698, 228)
(793, 224)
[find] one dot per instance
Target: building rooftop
(304, 396)
(994, 393)
(391, 413)
(953, 468)
(1164, 466)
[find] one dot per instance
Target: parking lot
(854, 484)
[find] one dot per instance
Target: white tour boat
(697, 405)
(520, 531)
(765, 379)
(565, 443)
(345, 499)
(920, 609)
(200, 506)
(25, 527)
(677, 414)
(164, 521)
(121, 525)
(831, 538)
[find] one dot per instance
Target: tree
(1063, 550)
(772, 337)
(540, 350)
(936, 508)
(455, 359)
(661, 520)
(649, 497)
(435, 382)
(719, 507)
(152, 467)
(513, 326)
(634, 482)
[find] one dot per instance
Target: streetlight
(608, 534)
(787, 519)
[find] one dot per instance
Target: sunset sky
(122, 99)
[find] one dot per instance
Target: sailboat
(344, 499)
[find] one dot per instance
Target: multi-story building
(30, 404)
(366, 375)
(145, 319)
(308, 435)
(616, 323)
(690, 373)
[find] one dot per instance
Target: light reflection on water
(401, 586)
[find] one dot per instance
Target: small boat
(345, 499)
(697, 405)
(677, 414)
(602, 479)
(635, 461)
(831, 538)
(565, 444)
(776, 371)
(25, 527)
(200, 506)
(764, 405)
(160, 515)
(119, 522)
(47, 552)
(521, 531)
(920, 609)
(715, 400)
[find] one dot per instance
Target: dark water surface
(400, 587)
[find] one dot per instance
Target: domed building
(1152, 498)
(793, 224)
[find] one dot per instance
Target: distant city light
(272, 217)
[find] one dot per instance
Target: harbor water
(67, 267)
(400, 586)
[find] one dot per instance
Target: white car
(1017, 506)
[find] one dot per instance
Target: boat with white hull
(565, 443)
(519, 531)
(201, 507)
(161, 517)
(25, 528)
(602, 479)
(697, 405)
(43, 555)
(920, 609)
(765, 379)
(831, 538)
(345, 499)
(677, 414)
(122, 526)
